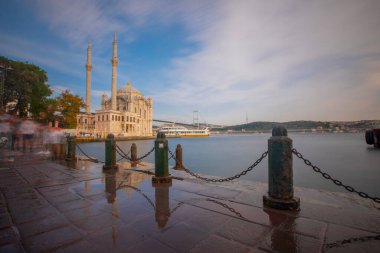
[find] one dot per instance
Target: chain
(351, 240)
(125, 155)
(335, 181)
(122, 153)
(139, 191)
(142, 157)
(244, 172)
(89, 157)
(227, 207)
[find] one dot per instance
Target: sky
(229, 60)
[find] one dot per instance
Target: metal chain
(351, 240)
(335, 181)
(244, 172)
(147, 154)
(89, 157)
(139, 191)
(122, 153)
(227, 207)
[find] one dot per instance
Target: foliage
(69, 106)
(26, 84)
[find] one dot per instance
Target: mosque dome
(127, 89)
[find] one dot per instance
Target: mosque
(126, 113)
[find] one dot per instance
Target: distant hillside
(305, 125)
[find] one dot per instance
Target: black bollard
(179, 160)
(70, 148)
(133, 155)
(280, 172)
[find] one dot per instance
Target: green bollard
(280, 172)
(110, 153)
(161, 166)
(70, 148)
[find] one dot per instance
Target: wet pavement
(52, 206)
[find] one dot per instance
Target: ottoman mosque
(126, 113)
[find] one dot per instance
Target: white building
(126, 113)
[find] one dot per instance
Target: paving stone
(11, 248)
(77, 246)
(285, 241)
(182, 236)
(8, 236)
(305, 226)
(97, 223)
(218, 244)
(42, 226)
(84, 213)
(203, 219)
(115, 238)
(20, 216)
(153, 225)
(336, 234)
(243, 231)
(71, 205)
(148, 245)
(52, 239)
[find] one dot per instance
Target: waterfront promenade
(55, 206)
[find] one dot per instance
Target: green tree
(27, 85)
(69, 106)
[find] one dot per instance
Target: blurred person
(6, 128)
(15, 132)
(28, 129)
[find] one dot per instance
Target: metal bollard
(373, 137)
(161, 166)
(133, 155)
(110, 153)
(280, 172)
(70, 148)
(179, 160)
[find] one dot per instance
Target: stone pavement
(50, 206)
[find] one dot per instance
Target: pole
(110, 144)
(161, 165)
(280, 172)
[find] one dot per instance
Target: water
(344, 156)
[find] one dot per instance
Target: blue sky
(273, 60)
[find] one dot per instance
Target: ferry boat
(183, 132)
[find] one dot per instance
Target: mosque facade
(126, 113)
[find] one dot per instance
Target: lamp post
(4, 70)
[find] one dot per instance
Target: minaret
(88, 79)
(114, 62)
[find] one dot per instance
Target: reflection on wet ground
(48, 206)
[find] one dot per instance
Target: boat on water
(183, 132)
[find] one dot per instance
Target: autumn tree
(69, 106)
(26, 84)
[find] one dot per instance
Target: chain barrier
(125, 155)
(122, 153)
(227, 207)
(147, 154)
(351, 240)
(335, 181)
(86, 155)
(244, 172)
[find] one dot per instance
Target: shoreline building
(126, 113)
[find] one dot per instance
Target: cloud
(294, 60)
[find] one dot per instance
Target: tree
(69, 106)
(27, 85)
